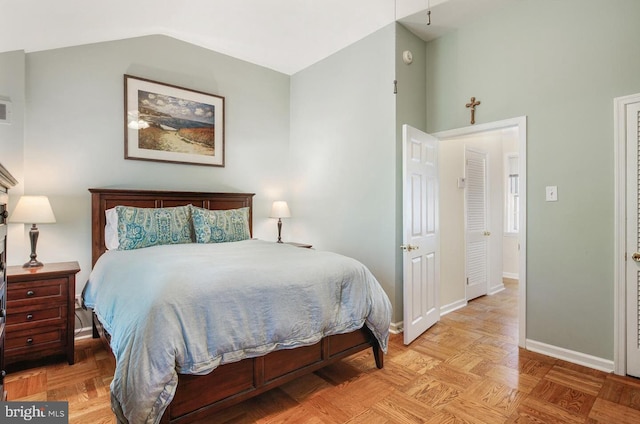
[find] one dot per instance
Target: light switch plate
(552, 194)
(5, 111)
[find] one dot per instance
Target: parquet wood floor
(466, 369)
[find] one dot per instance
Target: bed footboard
(200, 396)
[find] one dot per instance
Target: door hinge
(467, 281)
(395, 86)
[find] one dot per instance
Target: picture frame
(167, 123)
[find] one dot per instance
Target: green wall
(342, 156)
(12, 88)
(73, 133)
(411, 109)
(560, 63)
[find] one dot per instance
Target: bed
(203, 390)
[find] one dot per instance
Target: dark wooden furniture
(40, 312)
(6, 181)
(200, 396)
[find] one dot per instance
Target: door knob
(636, 256)
(409, 247)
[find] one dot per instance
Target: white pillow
(111, 229)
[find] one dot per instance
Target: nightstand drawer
(27, 341)
(18, 320)
(54, 290)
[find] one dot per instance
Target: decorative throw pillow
(220, 226)
(145, 227)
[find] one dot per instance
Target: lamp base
(279, 230)
(33, 264)
(33, 237)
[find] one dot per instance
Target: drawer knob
(29, 340)
(30, 293)
(29, 316)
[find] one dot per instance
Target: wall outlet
(78, 301)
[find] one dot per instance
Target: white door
(477, 225)
(421, 241)
(633, 240)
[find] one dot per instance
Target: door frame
(520, 123)
(620, 229)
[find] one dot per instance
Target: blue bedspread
(190, 308)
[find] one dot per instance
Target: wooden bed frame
(200, 396)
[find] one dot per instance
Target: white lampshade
(33, 210)
(280, 209)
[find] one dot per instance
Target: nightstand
(304, 245)
(40, 312)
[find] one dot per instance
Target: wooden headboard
(106, 198)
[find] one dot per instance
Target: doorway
(454, 178)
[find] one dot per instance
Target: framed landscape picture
(167, 123)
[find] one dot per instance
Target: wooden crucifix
(472, 104)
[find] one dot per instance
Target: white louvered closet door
(633, 240)
(477, 226)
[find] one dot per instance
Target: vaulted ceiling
(284, 35)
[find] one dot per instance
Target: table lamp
(33, 210)
(280, 210)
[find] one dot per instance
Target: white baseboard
(496, 289)
(579, 358)
(511, 275)
(458, 304)
(396, 327)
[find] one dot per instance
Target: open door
(421, 241)
(633, 240)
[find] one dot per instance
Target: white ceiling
(284, 35)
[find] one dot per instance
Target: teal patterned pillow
(220, 226)
(145, 227)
